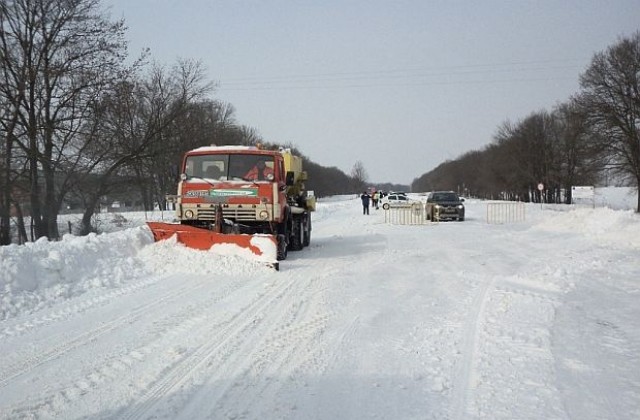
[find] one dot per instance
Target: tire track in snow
(31, 362)
(466, 378)
(501, 327)
(281, 360)
(493, 261)
(179, 374)
(71, 309)
(58, 400)
(280, 357)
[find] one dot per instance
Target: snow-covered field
(529, 320)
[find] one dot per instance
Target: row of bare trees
(76, 121)
(78, 124)
(593, 133)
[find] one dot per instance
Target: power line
(414, 69)
(417, 75)
(413, 84)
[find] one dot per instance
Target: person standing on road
(365, 197)
(376, 199)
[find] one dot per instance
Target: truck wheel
(282, 248)
(306, 240)
(297, 234)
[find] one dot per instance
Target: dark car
(445, 205)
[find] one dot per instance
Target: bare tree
(12, 77)
(250, 135)
(8, 127)
(610, 98)
(553, 148)
(359, 176)
(579, 161)
(137, 123)
(566, 147)
(59, 56)
(202, 123)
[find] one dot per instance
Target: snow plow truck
(242, 196)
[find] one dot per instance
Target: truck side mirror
(290, 178)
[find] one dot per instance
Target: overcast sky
(400, 85)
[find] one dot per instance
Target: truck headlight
(189, 214)
(263, 215)
(460, 206)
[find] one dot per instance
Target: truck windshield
(249, 167)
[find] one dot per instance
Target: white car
(396, 200)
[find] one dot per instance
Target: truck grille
(237, 214)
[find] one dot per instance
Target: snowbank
(616, 228)
(41, 273)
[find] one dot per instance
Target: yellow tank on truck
(293, 163)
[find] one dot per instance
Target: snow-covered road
(444, 321)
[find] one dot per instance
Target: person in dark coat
(365, 197)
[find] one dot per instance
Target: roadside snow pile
(616, 228)
(40, 273)
(617, 198)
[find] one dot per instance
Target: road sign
(583, 192)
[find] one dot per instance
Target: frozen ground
(529, 320)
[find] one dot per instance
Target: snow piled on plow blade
(266, 244)
(258, 247)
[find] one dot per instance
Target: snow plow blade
(262, 247)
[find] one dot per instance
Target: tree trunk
(50, 204)
(39, 228)
(638, 192)
(85, 223)
(22, 230)
(5, 215)
(5, 196)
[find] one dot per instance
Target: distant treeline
(593, 137)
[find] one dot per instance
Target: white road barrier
(499, 213)
(415, 214)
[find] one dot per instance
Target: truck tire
(297, 233)
(282, 248)
(306, 240)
